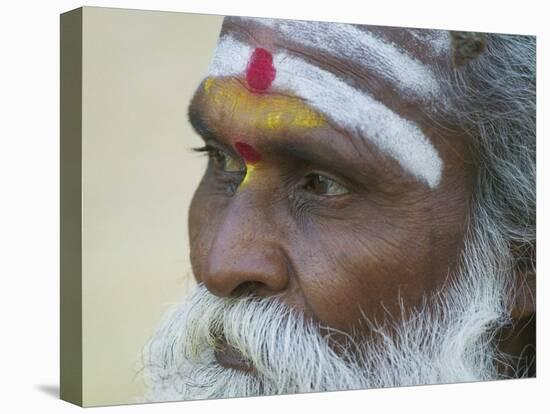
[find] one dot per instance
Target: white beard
(450, 339)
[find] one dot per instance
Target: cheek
(348, 270)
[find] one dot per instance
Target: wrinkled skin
(334, 257)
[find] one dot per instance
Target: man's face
(296, 205)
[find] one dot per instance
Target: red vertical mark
(250, 155)
(260, 71)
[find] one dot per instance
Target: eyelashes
(205, 150)
(222, 159)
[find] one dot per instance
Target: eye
(321, 185)
(226, 162)
(222, 160)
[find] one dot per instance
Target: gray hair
(494, 96)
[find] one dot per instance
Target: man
(367, 217)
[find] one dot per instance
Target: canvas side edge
(71, 206)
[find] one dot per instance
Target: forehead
(354, 77)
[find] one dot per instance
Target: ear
(466, 46)
(524, 304)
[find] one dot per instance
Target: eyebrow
(330, 160)
(321, 154)
(199, 125)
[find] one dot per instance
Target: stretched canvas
(256, 206)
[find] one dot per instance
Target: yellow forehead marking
(260, 110)
(246, 180)
(208, 84)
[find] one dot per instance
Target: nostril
(251, 288)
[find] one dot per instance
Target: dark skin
(326, 221)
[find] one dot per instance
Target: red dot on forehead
(248, 152)
(260, 71)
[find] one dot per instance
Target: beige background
(140, 69)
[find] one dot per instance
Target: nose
(245, 252)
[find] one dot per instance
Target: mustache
(286, 349)
(265, 331)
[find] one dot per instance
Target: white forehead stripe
(349, 108)
(438, 41)
(345, 41)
